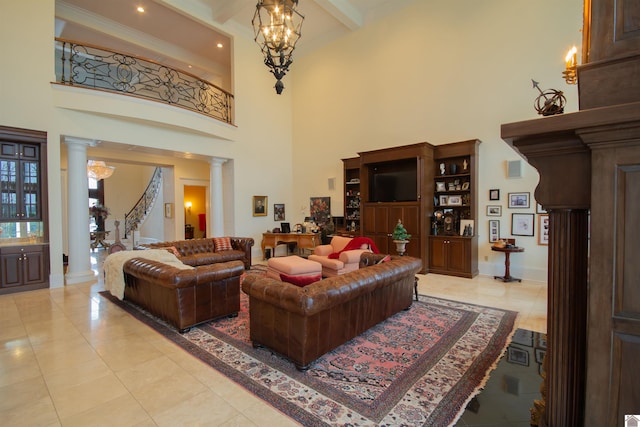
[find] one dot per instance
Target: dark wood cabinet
(352, 199)
(379, 220)
(25, 267)
(20, 182)
(453, 255)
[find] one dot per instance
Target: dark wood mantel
(589, 165)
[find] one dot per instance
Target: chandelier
(277, 24)
(98, 170)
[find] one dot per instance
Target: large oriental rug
(417, 368)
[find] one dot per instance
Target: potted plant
(400, 237)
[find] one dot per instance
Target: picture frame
(168, 210)
(454, 200)
(494, 230)
(494, 194)
(464, 223)
(494, 210)
(444, 200)
(278, 212)
(543, 229)
(465, 185)
(519, 200)
(540, 352)
(259, 205)
(523, 337)
(540, 209)
(522, 224)
(518, 356)
(440, 186)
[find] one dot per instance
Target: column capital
(72, 140)
(217, 161)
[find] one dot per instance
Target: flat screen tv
(394, 182)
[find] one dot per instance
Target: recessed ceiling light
(140, 9)
(220, 45)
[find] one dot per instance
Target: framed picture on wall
(522, 224)
(543, 229)
(494, 230)
(259, 205)
(494, 194)
(278, 212)
(519, 200)
(494, 210)
(517, 355)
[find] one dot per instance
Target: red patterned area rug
(418, 368)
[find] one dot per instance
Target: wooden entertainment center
(400, 183)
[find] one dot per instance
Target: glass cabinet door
(30, 190)
(9, 189)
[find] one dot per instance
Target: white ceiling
(166, 33)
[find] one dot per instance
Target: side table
(507, 253)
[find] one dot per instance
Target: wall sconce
(570, 73)
(187, 206)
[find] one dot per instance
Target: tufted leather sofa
(305, 323)
(184, 298)
(197, 252)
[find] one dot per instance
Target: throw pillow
(173, 250)
(387, 258)
(300, 281)
(222, 244)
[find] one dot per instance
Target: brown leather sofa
(302, 324)
(184, 298)
(197, 252)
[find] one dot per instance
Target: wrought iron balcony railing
(103, 69)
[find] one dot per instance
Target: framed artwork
(466, 224)
(278, 212)
(518, 200)
(440, 186)
(522, 224)
(494, 194)
(518, 356)
(543, 229)
(523, 337)
(455, 201)
(540, 209)
(168, 210)
(494, 230)
(540, 352)
(259, 205)
(494, 210)
(320, 209)
(444, 200)
(465, 185)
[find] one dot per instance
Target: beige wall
(436, 71)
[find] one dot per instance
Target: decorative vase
(400, 246)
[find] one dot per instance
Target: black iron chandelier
(277, 25)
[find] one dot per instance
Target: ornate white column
(216, 218)
(78, 212)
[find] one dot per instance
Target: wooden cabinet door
(438, 253)
(33, 266)
(11, 262)
(458, 256)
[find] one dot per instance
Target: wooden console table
(507, 253)
(303, 240)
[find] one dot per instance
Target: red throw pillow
(222, 244)
(300, 281)
(173, 250)
(385, 259)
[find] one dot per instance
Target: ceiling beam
(343, 11)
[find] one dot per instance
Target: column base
(80, 277)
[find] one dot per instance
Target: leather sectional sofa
(184, 297)
(203, 251)
(303, 323)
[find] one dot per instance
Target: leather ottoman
(292, 266)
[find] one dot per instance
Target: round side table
(507, 253)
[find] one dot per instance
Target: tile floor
(69, 357)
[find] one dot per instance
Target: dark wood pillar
(564, 164)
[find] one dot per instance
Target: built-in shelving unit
(352, 200)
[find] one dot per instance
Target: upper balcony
(99, 68)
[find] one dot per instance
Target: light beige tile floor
(69, 357)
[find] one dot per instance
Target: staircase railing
(142, 207)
